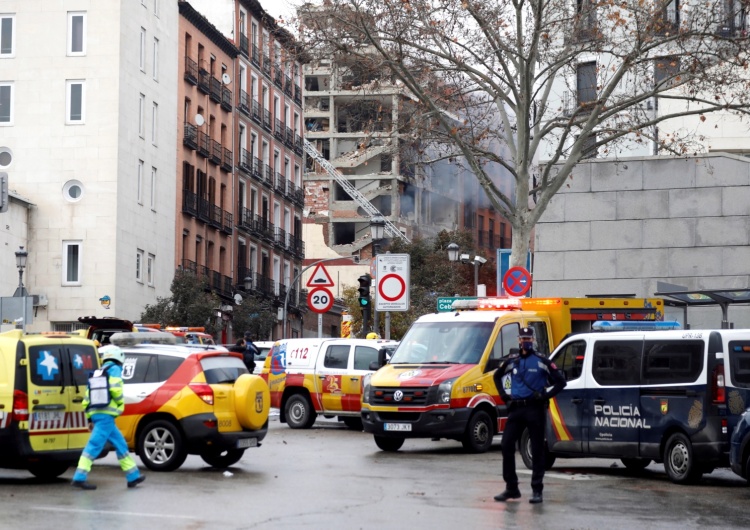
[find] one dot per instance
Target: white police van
(647, 395)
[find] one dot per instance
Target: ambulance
(43, 378)
(438, 383)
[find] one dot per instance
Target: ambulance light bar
(185, 328)
(134, 339)
(642, 325)
(487, 304)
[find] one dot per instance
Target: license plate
(49, 415)
(247, 442)
(397, 427)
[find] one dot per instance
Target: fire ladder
(352, 191)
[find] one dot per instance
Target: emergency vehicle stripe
(558, 423)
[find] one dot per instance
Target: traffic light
(365, 281)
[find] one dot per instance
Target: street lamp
(21, 256)
(477, 261)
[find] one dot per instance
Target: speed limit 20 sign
(320, 300)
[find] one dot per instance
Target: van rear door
(565, 427)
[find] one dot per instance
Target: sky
(280, 8)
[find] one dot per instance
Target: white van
(643, 396)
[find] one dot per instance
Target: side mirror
(382, 356)
(491, 365)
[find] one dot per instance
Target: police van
(43, 377)
(644, 396)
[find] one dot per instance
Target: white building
(88, 136)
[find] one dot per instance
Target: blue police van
(671, 397)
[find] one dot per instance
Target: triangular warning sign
(320, 278)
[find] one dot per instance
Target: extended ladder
(352, 191)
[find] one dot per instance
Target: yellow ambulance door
(48, 399)
(331, 370)
(82, 360)
(351, 383)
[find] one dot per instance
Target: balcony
(298, 145)
(226, 160)
(204, 81)
(257, 171)
(278, 76)
(246, 161)
(279, 184)
(190, 136)
(289, 138)
(265, 228)
(189, 265)
(267, 66)
(226, 99)
(264, 285)
(267, 176)
(281, 238)
(191, 71)
(288, 86)
(297, 95)
(267, 120)
(256, 111)
(298, 248)
(189, 203)
(227, 219)
(255, 57)
(204, 144)
(242, 273)
(215, 92)
(243, 43)
(244, 105)
(215, 157)
(246, 221)
(215, 216)
(278, 130)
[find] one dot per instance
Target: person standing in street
(526, 381)
(251, 350)
(102, 414)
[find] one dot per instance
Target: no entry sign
(392, 282)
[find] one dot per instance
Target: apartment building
(87, 99)
(268, 194)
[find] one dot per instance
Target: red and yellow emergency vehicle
(438, 383)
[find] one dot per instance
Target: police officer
(526, 380)
(104, 428)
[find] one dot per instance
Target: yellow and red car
(180, 401)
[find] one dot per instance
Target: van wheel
(161, 447)
(354, 424)
(524, 447)
(389, 444)
(479, 433)
(299, 412)
(222, 459)
(678, 460)
(635, 464)
(48, 470)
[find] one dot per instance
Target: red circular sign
(320, 300)
(401, 287)
(517, 281)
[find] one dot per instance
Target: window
(589, 149)
(73, 191)
(139, 183)
(142, 51)
(7, 35)
(586, 83)
(155, 60)
(76, 33)
(666, 71)
(139, 265)
(75, 108)
(617, 363)
(6, 103)
(153, 188)
(154, 122)
(739, 363)
(672, 362)
(156, 7)
(150, 269)
(72, 262)
(337, 357)
(363, 356)
(141, 118)
(570, 360)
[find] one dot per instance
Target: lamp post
(477, 261)
(377, 232)
(21, 256)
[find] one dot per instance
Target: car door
(363, 356)
(333, 363)
(612, 414)
(140, 378)
(565, 419)
(80, 360)
(49, 398)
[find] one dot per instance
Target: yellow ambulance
(438, 383)
(43, 379)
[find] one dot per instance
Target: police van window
(541, 339)
(672, 362)
(506, 340)
(45, 365)
(83, 360)
(135, 368)
(570, 359)
(167, 366)
(363, 356)
(617, 363)
(337, 357)
(739, 363)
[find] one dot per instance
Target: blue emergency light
(631, 325)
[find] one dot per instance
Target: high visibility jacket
(116, 404)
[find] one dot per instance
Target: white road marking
(111, 512)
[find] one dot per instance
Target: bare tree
(555, 80)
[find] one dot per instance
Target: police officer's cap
(526, 333)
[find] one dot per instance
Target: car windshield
(222, 369)
(443, 342)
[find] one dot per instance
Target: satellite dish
(199, 120)
(226, 79)
(238, 299)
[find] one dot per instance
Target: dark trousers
(533, 417)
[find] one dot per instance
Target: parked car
(739, 447)
(101, 329)
(188, 399)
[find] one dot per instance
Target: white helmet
(113, 353)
